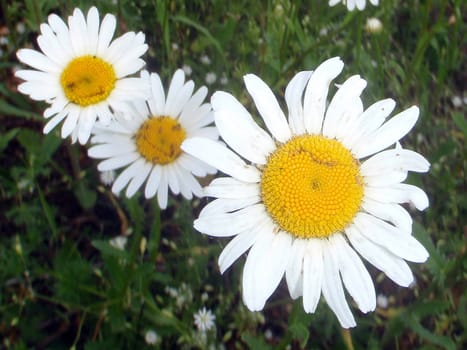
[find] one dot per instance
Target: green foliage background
(62, 285)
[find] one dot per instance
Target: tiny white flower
(204, 319)
(456, 101)
(205, 60)
(151, 337)
(118, 242)
(223, 80)
(352, 4)
(373, 25)
(20, 28)
(382, 301)
(210, 78)
(187, 70)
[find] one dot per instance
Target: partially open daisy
(352, 4)
(319, 188)
(80, 72)
(146, 139)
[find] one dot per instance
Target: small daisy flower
(204, 320)
(352, 4)
(320, 187)
(146, 139)
(80, 72)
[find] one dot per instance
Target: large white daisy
(80, 72)
(352, 4)
(317, 189)
(146, 139)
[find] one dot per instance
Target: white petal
(172, 179)
(126, 175)
(239, 130)
(340, 109)
(240, 244)
(117, 162)
(37, 60)
(153, 182)
(227, 205)
(333, 291)
(400, 193)
(93, 29)
(394, 159)
(370, 120)
(218, 156)
(186, 118)
(264, 268)
(391, 212)
(229, 224)
(355, 276)
(268, 107)
(193, 165)
(78, 33)
(393, 239)
(389, 178)
(312, 275)
(294, 269)
(176, 85)
(293, 98)
(388, 134)
(157, 102)
(70, 122)
(108, 150)
(106, 33)
(393, 266)
(163, 190)
(86, 122)
(138, 179)
(314, 103)
(174, 108)
(53, 122)
(228, 187)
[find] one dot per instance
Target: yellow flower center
(158, 140)
(88, 80)
(311, 186)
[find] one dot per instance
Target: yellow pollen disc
(88, 80)
(311, 186)
(158, 140)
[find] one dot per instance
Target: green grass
(62, 285)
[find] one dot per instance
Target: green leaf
(255, 342)
(86, 196)
(7, 109)
(301, 332)
(106, 249)
(202, 30)
(5, 139)
(460, 121)
(426, 334)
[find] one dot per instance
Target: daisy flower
(317, 189)
(204, 320)
(146, 139)
(352, 4)
(80, 72)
